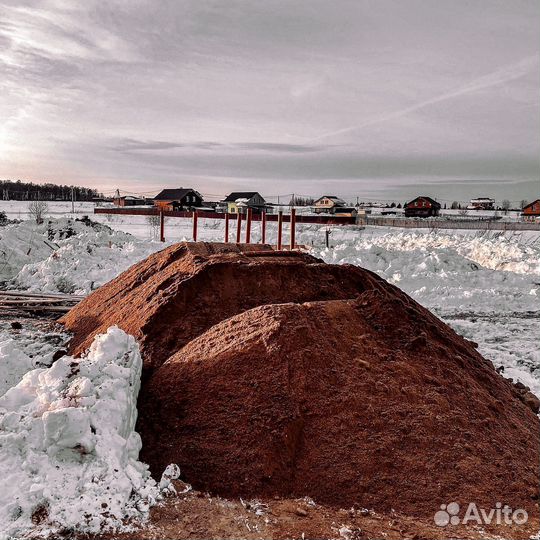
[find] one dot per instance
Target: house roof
(432, 201)
(235, 195)
(531, 204)
(174, 194)
(331, 197)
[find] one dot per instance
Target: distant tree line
(15, 190)
(301, 201)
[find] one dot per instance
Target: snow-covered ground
(485, 285)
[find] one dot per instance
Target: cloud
(133, 145)
(496, 78)
(65, 33)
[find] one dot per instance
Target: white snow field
(68, 445)
(67, 448)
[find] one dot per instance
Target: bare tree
(505, 205)
(523, 204)
(153, 223)
(37, 210)
(455, 205)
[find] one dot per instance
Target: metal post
(263, 227)
(161, 226)
(293, 227)
(226, 227)
(327, 238)
(248, 226)
(279, 228)
(195, 216)
(238, 227)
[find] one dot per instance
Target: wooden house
(347, 211)
(328, 204)
(178, 199)
(531, 212)
(129, 200)
(481, 203)
(239, 201)
(422, 207)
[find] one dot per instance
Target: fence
(248, 218)
(322, 220)
(478, 224)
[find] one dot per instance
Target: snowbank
(67, 256)
(449, 271)
(24, 350)
(20, 244)
(14, 363)
(68, 445)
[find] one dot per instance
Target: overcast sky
(382, 99)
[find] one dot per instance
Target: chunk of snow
(68, 445)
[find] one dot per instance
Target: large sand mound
(277, 374)
(175, 295)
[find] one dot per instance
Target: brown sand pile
(363, 397)
(175, 295)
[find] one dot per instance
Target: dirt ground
(199, 515)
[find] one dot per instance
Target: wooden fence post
(238, 227)
(293, 227)
(263, 227)
(279, 228)
(161, 225)
(227, 227)
(195, 216)
(248, 226)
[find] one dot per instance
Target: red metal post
(263, 227)
(161, 226)
(279, 228)
(226, 227)
(293, 227)
(195, 216)
(238, 227)
(248, 225)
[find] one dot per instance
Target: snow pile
(14, 363)
(449, 271)
(494, 251)
(24, 350)
(68, 445)
(20, 244)
(77, 262)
